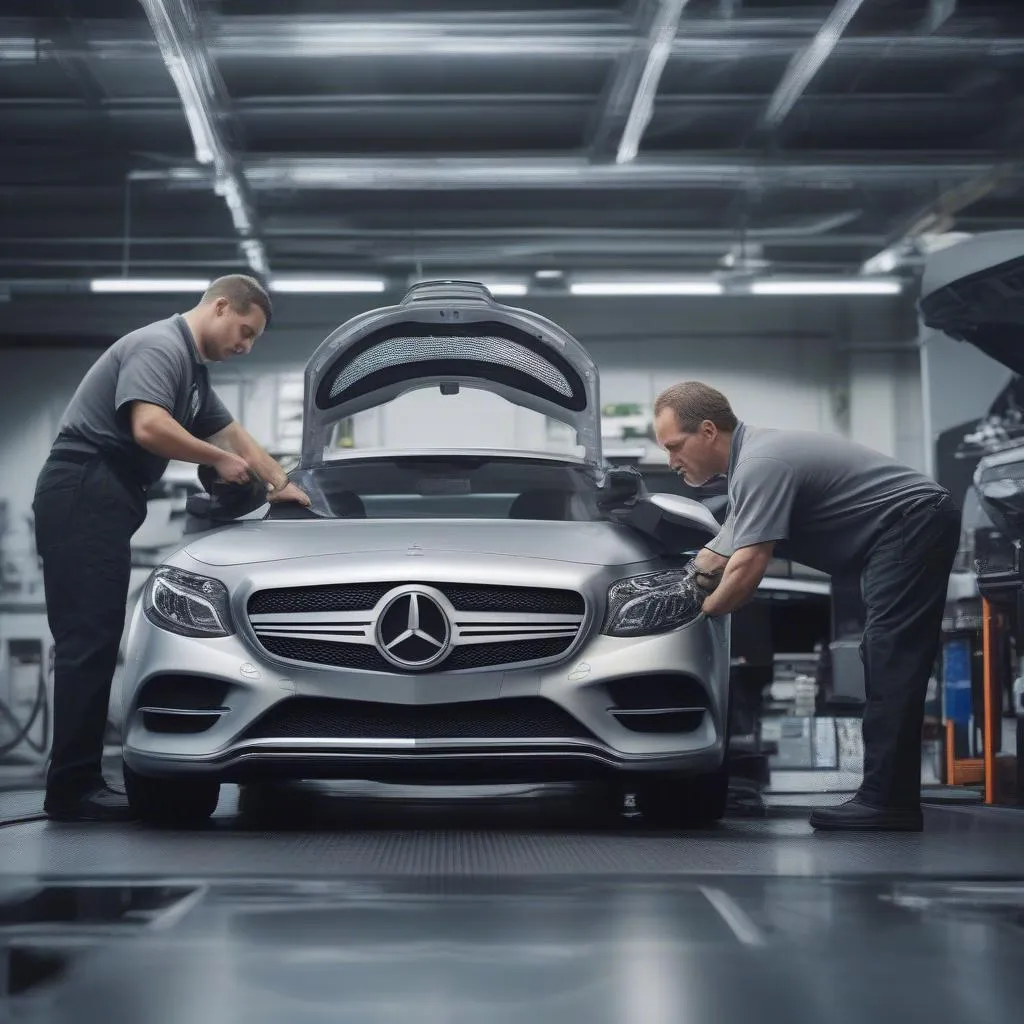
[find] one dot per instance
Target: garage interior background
(552, 150)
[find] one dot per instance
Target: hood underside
(449, 335)
(974, 292)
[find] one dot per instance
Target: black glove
(706, 579)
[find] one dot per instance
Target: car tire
(170, 801)
(694, 802)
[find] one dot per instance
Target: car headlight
(655, 603)
(187, 604)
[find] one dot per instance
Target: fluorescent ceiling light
(646, 288)
(324, 285)
(22, 48)
(119, 285)
(879, 286)
(504, 287)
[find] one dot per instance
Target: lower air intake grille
(184, 693)
(511, 718)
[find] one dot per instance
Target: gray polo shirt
(823, 498)
(159, 364)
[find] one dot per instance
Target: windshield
(452, 487)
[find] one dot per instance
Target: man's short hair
(693, 403)
(241, 292)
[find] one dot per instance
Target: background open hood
(446, 334)
(974, 292)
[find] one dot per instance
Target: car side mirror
(686, 512)
(222, 502)
(621, 488)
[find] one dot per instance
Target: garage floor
(515, 908)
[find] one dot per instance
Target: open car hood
(974, 292)
(446, 334)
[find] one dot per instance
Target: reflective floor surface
(456, 950)
(513, 908)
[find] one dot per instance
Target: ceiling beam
(939, 216)
(807, 63)
(939, 12)
(628, 103)
(442, 104)
(916, 169)
(313, 38)
(204, 101)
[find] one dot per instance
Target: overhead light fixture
(499, 288)
(877, 286)
(124, 285)
(549, 275)
(646, 288)
(327, 285)
(22, 48)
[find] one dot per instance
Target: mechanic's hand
(289, 493)
(707, 580)
(232, 468)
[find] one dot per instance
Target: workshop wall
(36, 387)
(821, 364)
(786, 363)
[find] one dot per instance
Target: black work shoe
(857, 816)
(101, 804)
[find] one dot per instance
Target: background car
(457, 615)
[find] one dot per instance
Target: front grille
(464, 598)
(475, 598)
(320, 652)
(511, 652)
(369, 659)
(347, 597)
(503, 719)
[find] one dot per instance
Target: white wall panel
(776, 383)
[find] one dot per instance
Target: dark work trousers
(86, 512)
(903, 584)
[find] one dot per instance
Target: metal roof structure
(499, 139)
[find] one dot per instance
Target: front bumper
(584, 690)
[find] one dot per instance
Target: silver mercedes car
(436, 616)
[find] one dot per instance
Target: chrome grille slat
(330, 638)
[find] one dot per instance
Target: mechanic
(841, 508)
(145, 401)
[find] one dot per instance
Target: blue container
(956, 681)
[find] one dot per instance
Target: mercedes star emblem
(412, 630)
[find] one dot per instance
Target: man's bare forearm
(742, 574)
(237, 439)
